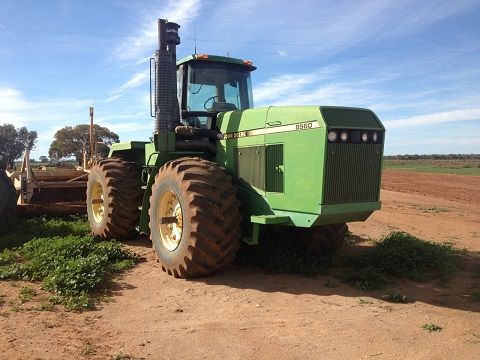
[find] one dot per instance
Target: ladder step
(269, 219)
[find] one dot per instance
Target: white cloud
(282, 89)
(45, 115)
(127, 127)
(413, 16)
(4, 30)
(11, 106)
(322, 27)
(435, 118)
(279, 86)
(113, 97)
(144, 41)
(136, 81)
(320, 88)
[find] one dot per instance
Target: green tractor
(216, 169)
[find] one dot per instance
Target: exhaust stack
(167, 112)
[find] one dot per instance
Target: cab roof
(215, 58)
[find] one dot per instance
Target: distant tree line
(72, 141)
(68, 142)
(13, 143)
(434, 157)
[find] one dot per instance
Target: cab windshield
(216, 86)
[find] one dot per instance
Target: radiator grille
(352, 173)
(350, 118)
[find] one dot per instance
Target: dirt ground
(244, 313)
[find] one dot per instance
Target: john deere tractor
(217, 169)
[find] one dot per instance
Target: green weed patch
(431, 327)
(402, 255)
(399, 255)
(69, 262)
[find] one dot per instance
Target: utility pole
(92, 143)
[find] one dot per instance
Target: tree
(70, 141)
(43, 159)
(13, 142)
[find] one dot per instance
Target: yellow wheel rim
(170, 220)
(97, 205)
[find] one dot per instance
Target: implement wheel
(8, 197)
(113, 197)
(194, 218)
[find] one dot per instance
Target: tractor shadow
(460, 291)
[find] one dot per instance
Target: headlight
(375, 137)
(365, 136)
(344, 136)
(332, 136)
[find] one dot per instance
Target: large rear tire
(194, 218)
(8, 197)
(113, 198)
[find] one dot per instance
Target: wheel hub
(170, 231)
(97, 205)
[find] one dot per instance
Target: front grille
(350, 118)
(352, 173)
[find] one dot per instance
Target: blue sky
(415, 63)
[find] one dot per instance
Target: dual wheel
(194, 212)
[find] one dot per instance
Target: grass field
(460, 167)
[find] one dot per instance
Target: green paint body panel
(132, 151)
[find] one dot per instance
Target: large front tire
(113, 198)
(7, 201)
(194, 218)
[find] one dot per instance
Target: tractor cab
(207, 85)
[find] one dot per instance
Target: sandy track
(244, 313)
